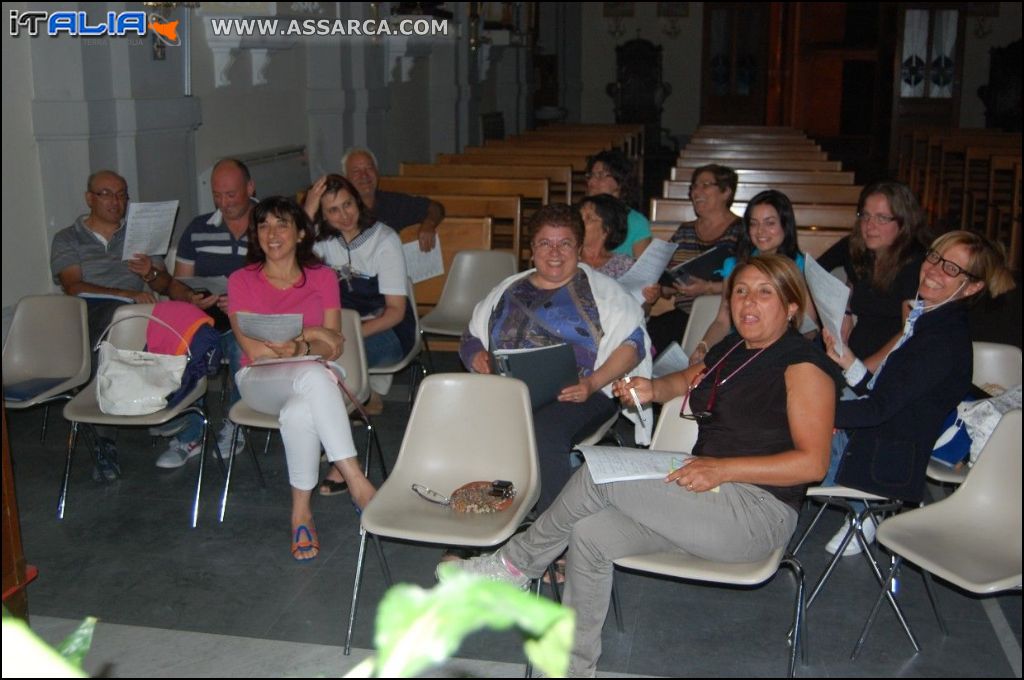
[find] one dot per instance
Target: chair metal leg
(62, 498)
(227, 477)
(355, 590)
(810, 528)
(202, 463)
(46, 417)
(799, 631)
(874, 610)
(877, 571)
(933, 598)
(552, 573)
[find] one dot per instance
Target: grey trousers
(602, 522)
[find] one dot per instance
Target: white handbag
(134, 382)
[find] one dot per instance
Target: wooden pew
(505, 213)
(703, 145)
(577, 161)
(780, 163)
(535, 189)
(797, 193)
(807, 214)
(749, 130)
(457, 233)
(559, 176)
(781, 176)
(813, 241)
(751, 154)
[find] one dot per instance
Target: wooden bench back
(797, 193)
(457, 233)
(778, 163)
(807, 215)
(506, 215)
(752, 153)
(494, 156)
(782, 176)
(811, 241)
(559, 176)
(536, 188)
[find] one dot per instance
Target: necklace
(704, 416)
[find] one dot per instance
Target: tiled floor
(125, 553)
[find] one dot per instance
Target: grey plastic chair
(463, 428)
(46, 354)
(679, 434)
(353, 360)
(84, 408)
(971, 539)
(473, 275)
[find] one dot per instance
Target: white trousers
(308, 402)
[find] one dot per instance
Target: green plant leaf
(77, 645)
(418, 628)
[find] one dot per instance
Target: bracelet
(151, 275)
(705, 346)
(309, 348)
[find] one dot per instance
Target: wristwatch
(151, 275)
(309, 348)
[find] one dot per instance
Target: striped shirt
(211, 248)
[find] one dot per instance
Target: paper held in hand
(419, 265)
(620, 464)
(148, 228)
(270, 327)
(648, 269)
(830, 296)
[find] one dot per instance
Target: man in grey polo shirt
(85, 260)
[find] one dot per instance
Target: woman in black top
(771, 397)
(882, 258)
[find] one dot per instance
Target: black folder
(545, 370)
(706, 266)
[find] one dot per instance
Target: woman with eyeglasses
(712, 190)
(561, 301)
(881, 258)
(887, 434)
(765, 399)
(610, 172)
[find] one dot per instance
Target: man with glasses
(85, 260)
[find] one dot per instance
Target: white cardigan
(620, 315)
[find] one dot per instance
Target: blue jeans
(233, 353)
(839, 442)
(383, 349)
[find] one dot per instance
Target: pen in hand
(636, 401)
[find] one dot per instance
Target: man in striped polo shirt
(214, 244)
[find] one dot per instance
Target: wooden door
(735, 61)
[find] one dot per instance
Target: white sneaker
(853, 547)
(491, 567)
(224, 438)
(178, 453)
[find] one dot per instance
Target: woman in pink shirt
(285, 277)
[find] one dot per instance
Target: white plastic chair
(473, 275)
(994, 364)
(971, 539)
(412, 357)
(463, 428)
(702, 315)
(353, 360)
(679, 434)
(46, 354)
(84, 408)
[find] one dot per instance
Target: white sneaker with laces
(178, 453)
(853, 547)
(490, 567)
(224, 437)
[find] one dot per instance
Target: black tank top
(749, 412)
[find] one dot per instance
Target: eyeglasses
(949, 268)
(598, 175)
(703, 185)
(880, 220)
(561, 246)
(107, 194)
(706, 416)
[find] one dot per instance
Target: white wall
(681, 66)
(26, 246)
(995, 32)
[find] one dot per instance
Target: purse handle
(150, 317)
